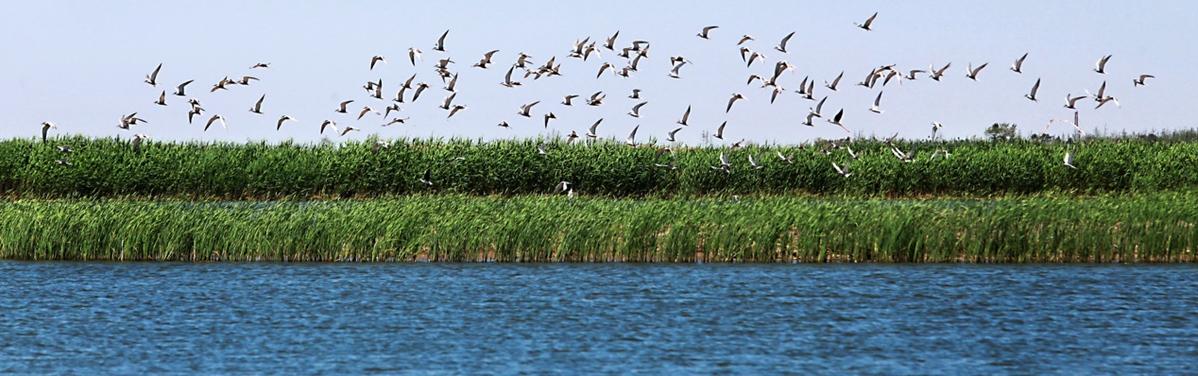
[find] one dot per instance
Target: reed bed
(112, 168)
(463, 228)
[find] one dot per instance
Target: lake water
(612, 319)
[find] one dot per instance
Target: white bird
(152, 78)
(342, 107)
(636, 110)
(868, 25)
(1069, 160)
(732, 101)
(564, 187)
(526, 109)
(670, 137)
(631, 140)
(1071, 101)
(161, 99)
(375, 60)
(486, 60)
(569, 100)
(832, 86)
(507, 78)
(841, 171)
(283, 119)
(676, 71)
(213, 119)
(706, 32)
(936, 74)
(1017, 67)
(719, 132)
(837, 121)
(349, 129)
(426, 178)
(877, 107)
(456, 108)
(328, 124)
(181, 89)
(685, 117)
(781, 47)
(413, 55)
(365, 110)
(784, 158)
(753, 163)
(1100, 66)
(1032, 95)
(596, 99)
(725, 164)
(818, 111)
(447, 103)
(257, 109)
(441, 42)
(1142, 80)
(591, 132)
(810, 118)
(744, 39)
(46, 127)
(973, 72)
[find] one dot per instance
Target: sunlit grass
(1122, 228)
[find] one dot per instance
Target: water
(612, 319)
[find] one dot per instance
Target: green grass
(1108, 228)
(110, 168)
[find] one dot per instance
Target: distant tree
(1003, 132)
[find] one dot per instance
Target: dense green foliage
(109, 167)
(1136, 228)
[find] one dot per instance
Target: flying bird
(592, 131)
(836, 82)
(214, 119)
(342, 108)
(631, 140)
(636, 110)
(1069, 160)
(161, 99)
(180, 90)
(261, 65)
(671, 134)
(413, 55)
(152, 78)
(1142, 80)
(706, 32)
(328, 124)
(685, 117)
(877, 107)
(973, 72)
(936, 74)
(46, 127)
(1071, 101)
(840, 171)
(719, 132)
(1032, 95)
(1100, 66)
(441, 42)
(548, 117)
(486, 60)
(375, 60)
(526, 109)
(282, 120)
(257, 109)
(732, 101)
(868, 25)
(781, 47)
(1017, 67)
(365, 110)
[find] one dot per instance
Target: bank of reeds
(1135, 228)
(112, 168)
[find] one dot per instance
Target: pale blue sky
(80, 64)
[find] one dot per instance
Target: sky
(81, 65)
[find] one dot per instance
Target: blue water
(610, 319)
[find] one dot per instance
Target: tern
(328, 124)
(636, 110)
(1069, 160)
(1142, 80)
(592, 131)
(46, 127)
(526, 109)
(781, 47)
(936, 74)
(631, 140)
(719, 132)
(548, 117)
(868, 25)
(214, 119)
(507, 78)
(375, 60)
(1017, 67)
(152, 78)
(261, 65)
(876, 108)
(486, 60)
(180, 90)
(706, 32)
(282, 120)
(732, 101)
(413, 55)
(671, 134)
(1032, 95)
(1100, 66)
(973, 72)
(161, 99)
(257, 109)
(685, 117)
(441, 42)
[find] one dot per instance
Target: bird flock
(631, 58)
